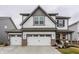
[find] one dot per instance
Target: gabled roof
(4, 18)
(62, 17)
(73, 24)
(25, 14)
(52, 14)
(12, 22)
(13, 31)
(35, 11)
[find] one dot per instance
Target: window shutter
(63, 23)
(57, 23)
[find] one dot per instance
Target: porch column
(53, 39)
(61, 36)
(8, 36)
(24, 40)
(66, 37)
(71, 38)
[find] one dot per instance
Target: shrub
(6, 44)
(1, 43)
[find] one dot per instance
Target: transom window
(39, 20)
(60, 23)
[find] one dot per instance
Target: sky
(14, 11)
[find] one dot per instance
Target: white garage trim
(53, 34)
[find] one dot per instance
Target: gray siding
(5, 22)
(38, 13)
(75, 29)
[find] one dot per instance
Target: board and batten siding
(78, 30)
(75, 29)
(29, 23)
(78, 27)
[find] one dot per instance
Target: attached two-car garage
(32, 40)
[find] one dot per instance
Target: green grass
(71, 50)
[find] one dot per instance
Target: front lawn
(71, 50)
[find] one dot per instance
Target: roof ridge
(13, 22)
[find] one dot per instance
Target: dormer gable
(39, 11)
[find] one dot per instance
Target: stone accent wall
(24, 42)
(53, 42)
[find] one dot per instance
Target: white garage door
(15, 40)
(39, 40)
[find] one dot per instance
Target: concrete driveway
(28, 50)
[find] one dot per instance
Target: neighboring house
(6, 23)
(40, 28)
(75, 27)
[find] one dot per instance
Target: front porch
(63, 36)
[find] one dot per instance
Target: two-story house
(40, 28)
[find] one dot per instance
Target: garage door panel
(44, 40)
(15, 41)
(39, 40)
(32, 41)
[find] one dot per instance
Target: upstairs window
(60, 23)
(39, 20)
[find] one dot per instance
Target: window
(41, 35)
(11, 35)
(29, 35)
(35, 35)
(18, 35)
(36, 20)
(60, 23)
(48, 35)
(39, 20)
